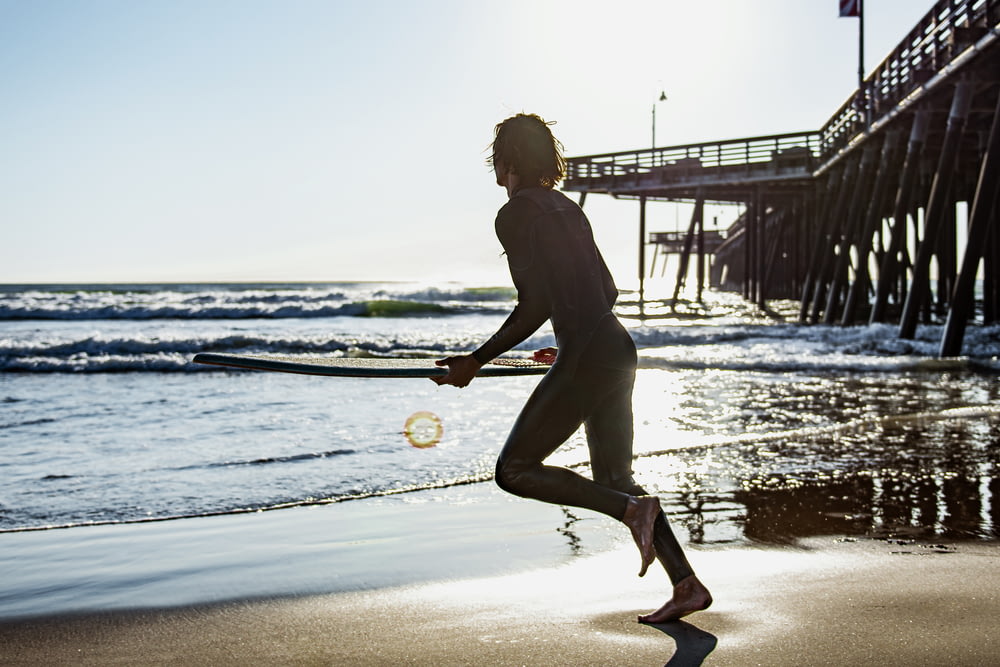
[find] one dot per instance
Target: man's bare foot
(640, 517)
(690, 595)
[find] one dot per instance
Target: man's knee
(512, 476)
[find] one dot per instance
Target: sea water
(748, 424)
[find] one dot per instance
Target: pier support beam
(834, 225)
(946, 253)
(940, 199)
(769, 252)
(760, 222)
(983, 210)
(836, 189)
(991, 271)
(642, 256)
(749, 238)
(873, 215)
(701, 256)
(851, 227)
(825, 195)
(697, 216)
(889, 267)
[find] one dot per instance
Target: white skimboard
(363, 367)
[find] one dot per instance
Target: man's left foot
(690, 595)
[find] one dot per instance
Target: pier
(860, 220)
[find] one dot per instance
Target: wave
(268, 308)
(97, 354)
(765, 347)
(28, 422)
(304, 502)
(795, 346)
(161, 327)
(221, 302)
(291, 458)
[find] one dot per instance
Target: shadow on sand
(693, 643)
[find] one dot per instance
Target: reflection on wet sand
(877, 507)
(573, 540)
(908, 478)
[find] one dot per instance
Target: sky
(299, 140)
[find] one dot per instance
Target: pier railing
(767, 156)
(940, 40)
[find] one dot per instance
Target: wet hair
(525, 145)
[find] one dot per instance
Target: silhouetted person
(560, 276)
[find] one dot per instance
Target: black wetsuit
(560, 276)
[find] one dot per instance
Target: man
(560, 276)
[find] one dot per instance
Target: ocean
(749, 425)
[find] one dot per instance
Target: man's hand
(461, 370)
(546, 355)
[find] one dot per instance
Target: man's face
(500, 170)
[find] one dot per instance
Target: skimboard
(363, 367)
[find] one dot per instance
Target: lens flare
(423, 429)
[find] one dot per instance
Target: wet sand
(824, 601)
(827, 604)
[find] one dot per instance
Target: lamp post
(663, 98)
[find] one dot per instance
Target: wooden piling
(889, 268)
(760, 224)
(701, 256)
(939, 201)
(833, 188)
(642, 256)
(685, 257)
(851, 230)
(983, 210)
(835, 227)
(873, 215)
(749, 240)
(991, 288)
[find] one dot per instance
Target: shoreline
(469, 575)
(382, 542)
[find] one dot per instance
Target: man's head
(524, 145)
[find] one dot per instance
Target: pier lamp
(663, 98)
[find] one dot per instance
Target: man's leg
(551, 415)
(609, 437)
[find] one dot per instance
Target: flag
(850, 7)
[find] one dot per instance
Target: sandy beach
(424, 583)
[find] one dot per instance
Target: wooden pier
(854, 219)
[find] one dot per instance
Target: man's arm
(513, 227)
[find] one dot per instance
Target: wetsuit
(560, 276)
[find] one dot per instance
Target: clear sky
(196, 140)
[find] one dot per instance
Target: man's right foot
(640, 517)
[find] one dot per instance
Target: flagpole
(861, 65)
(861, 43)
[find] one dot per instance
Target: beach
(467, 576)
(835, 487)
(820, 428)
